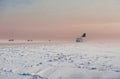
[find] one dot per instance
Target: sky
(59, 19)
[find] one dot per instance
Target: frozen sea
(60, 60)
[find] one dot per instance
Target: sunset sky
(59, 19)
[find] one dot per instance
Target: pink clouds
(60, 20)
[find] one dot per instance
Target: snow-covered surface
(60, 60)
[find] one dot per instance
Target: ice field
(65, 60)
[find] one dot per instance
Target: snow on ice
(59, 61)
